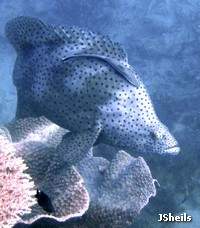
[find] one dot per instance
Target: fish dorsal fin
(91, 43)
(24, 32)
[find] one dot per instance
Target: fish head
(147, 134)
(159, 140)
(130, 122)
(150, 138)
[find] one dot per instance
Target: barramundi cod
(83, 82)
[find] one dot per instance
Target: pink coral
(16, 187)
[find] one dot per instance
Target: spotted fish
(84, 83)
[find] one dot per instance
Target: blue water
(162, 40)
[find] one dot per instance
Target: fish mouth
(173, 150)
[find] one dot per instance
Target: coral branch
(16, 187)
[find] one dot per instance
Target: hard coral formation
(115, 191)
(16, 187)
(36, 129)
(64, 186)
(67, 196)
(118, 190)
(36, 140)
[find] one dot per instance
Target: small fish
(122, 69)
(44, 201)
(82, 82)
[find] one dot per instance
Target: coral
(64, 186)
(35, 139)
(16, 188)
(67, 197)
(37, 129)
(93, 192)
(118, 190)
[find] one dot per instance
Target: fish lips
(173, 150)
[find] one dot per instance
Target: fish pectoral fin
(75, 146)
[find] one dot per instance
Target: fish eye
(156, 135)
(153, 135)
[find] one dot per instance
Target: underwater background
(161, 39)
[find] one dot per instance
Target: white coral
(16, 187)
